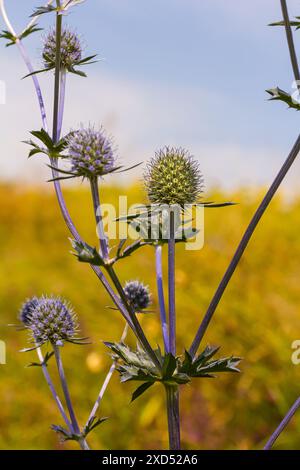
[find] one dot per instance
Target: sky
(190, 73)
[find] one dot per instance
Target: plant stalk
(137, 327)
(99, 221)
(171, 285)
(161, 297)
(242, 246)
(282, 425)
(65, 388)
(52, 388)
(106, 381)
(172, 395)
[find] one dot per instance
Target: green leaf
(93, 423)
(47, 357)
(43, 10)
(280, 95)
(86, 253)
(282, 23)
(140, 390)
(169, 366)
(30, 30)
(9, 36)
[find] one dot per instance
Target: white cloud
(142, 117)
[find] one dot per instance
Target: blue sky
(174, 72)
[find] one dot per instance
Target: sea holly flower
(50, 319)
(138, 295)
(70, 53)
(173, 177)
(91, 152)
(71, 49)
(25, 312)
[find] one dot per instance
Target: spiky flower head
(26, 310)
(138, 295)
(91, 152)
(173, 177)
(52, 319)
(71, 49)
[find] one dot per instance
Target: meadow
(258, 319)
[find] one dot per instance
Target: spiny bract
(26, 309)
(71, 49)
(137, 295)
(173, 177)
(91, 152)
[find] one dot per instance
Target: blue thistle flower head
(173, 177)
(71, 49)
(138, 295)
(52, 319)
(26, 310)
(91, 153)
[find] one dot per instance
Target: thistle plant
(172, 178)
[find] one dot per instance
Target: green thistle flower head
(173, 177)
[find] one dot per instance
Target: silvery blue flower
(90, 152)
(26, 309)
(52, 319)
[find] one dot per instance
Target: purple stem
(62, 96)
(282, 425)
(52, 389)
(99, 220)
(171, 284)
(66, 216)
(161, 297)
(262, 207)
(64, 385)
(35, 82)
(242, 247)
(106, 381)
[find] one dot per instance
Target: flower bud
(173, 177)
(137, 295)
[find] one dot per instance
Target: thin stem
(243, 245)
(61, 372)
(64, 385)
(52, 388)
(106, 381)
(161, 297)
(262, 207)
(137, 327)
(35, 18)
(290, 41)
(172, 394)
(171, 284)
(55, 131)
(28, 64)
(99, 220)
(62, 95)
(64, 211)
(282, 425)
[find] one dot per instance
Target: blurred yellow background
(257, 319)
